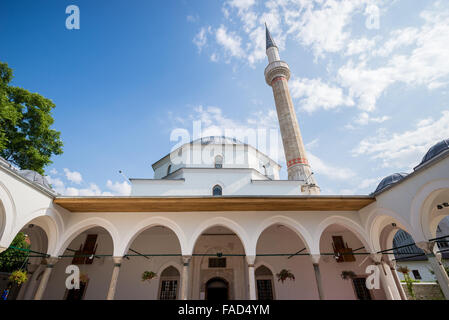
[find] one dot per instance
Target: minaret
(277, 74)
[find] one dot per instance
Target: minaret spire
(277, 74)
(270, 41)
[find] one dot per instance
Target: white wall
(199, 182)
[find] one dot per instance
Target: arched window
(217, 191)
(168, 169)
(218, 162)
(168, 288)
(264, 281)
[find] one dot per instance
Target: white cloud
(241, 4)
(121, 189)
(214, 57)
(200, 39)
(405, 150)
(322, 24)
(358, 46)
(363, 187)
(364, 118)
(330, 171)
(91, 189)
(73, 176)
(230, 41)
(314, 95)
(426, 63)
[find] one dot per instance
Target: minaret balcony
(276, 69)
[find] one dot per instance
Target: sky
(369, 81)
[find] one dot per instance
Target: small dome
(390, 180)
(435, 150)
(35, 177)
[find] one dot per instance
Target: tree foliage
(13, 259)
(26, 137)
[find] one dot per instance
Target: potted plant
(18, 276)
(345, 275)
(408, 281)
(284, 275)
(84, 278)
(148, 275)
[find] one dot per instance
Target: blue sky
(369, 81)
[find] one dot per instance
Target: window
(217, 191)
(218, 162)
(360, 289)
(168, 289)
(168, 169)
(217, 262)
(264, 282)
(76, 295)
(169, 284)
(416, 274)
(341, 250)
(264, 290)
(82, 256)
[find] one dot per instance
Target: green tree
(13, 259)
(26, 138)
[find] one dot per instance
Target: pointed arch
(380, 218)
(147, 224)
(7, 214)
(290, 223)
(350, 224)
(420, 218)
(87, 224)
(224, 222)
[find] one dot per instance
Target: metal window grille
(264, 290)
(360, 289)
(169, 289)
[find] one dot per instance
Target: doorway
(217, 289)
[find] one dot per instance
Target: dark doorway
(74, 294)
(217, 289)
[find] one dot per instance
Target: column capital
(376, 258)
(315, 258)
(117, 261)
(50, 261)
(427, 246)
(250, 260)
(392, 264)
(186, 260)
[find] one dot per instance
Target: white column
(316, 269)
(251, 277)
(49, 262)
(33, 283)
(185, 277)
(115, 273)
(435, 263)
(397, 281)
(386, 284)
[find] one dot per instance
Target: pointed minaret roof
(270, 41)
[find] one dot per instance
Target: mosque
(229, 229)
